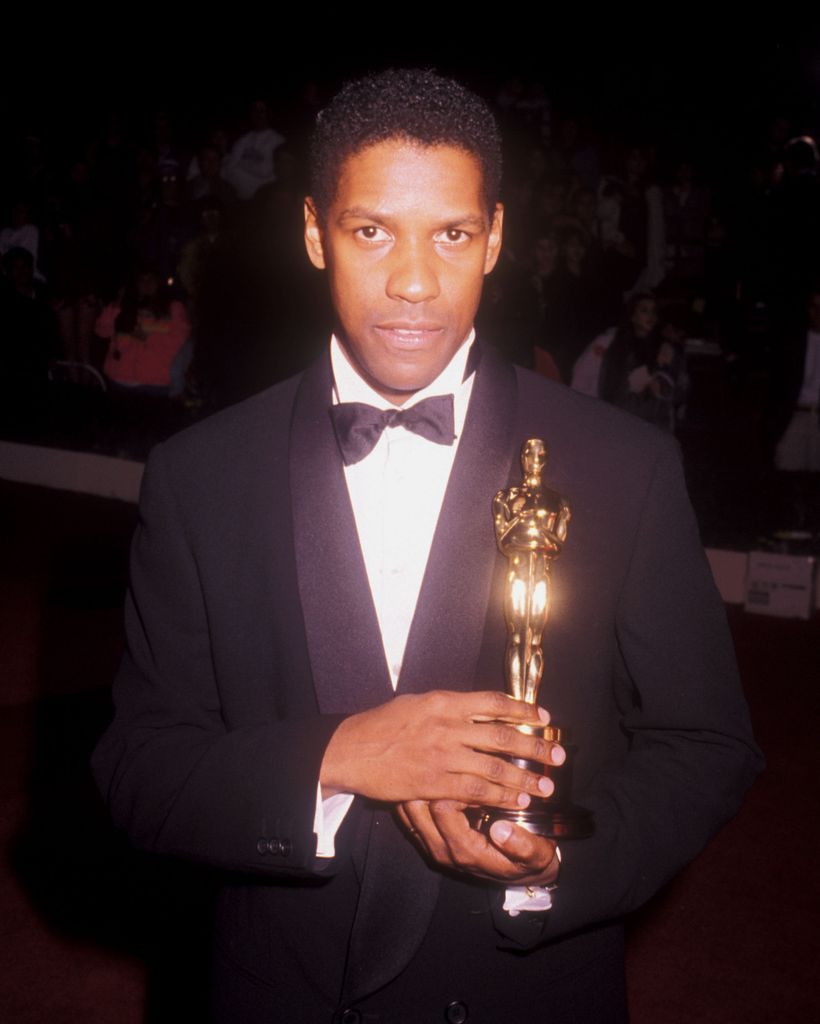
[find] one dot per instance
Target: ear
(313, 236)
(494, 238)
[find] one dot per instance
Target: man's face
(406, 243)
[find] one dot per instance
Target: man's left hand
(508, 854)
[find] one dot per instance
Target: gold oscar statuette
(531, 525)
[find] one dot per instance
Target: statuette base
(567, 822)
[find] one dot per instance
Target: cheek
(471, 294)
(353, 294)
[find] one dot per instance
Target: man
(311, 695)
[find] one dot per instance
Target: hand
(440, 746)
(509, 855)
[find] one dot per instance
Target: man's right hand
(440, 746)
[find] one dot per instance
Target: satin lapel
(399, 890)
(445, 637)
(344, 643)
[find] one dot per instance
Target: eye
(371, 233)
(453, 236)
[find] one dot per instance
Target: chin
(405, 389)
(399, 388)
(408, 379)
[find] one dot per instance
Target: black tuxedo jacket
(251, 632)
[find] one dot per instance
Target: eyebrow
(363, 213)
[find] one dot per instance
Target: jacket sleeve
(176, 778)
(690, 756)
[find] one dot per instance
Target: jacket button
(274, 847)
(285, 847)
(456, 1012)
(351, 1017)
(262, 846)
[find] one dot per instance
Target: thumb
(500, 832)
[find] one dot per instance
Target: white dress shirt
(397, 492)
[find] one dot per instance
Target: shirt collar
(348, 386)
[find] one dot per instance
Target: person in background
(250, 164)
(146, 329)
(21, 233)
(798, 449)
(632, 228)
(574, 306)
(209, 183)
(640, 369)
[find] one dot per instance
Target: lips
(409, 333)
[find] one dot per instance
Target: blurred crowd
(159, 265)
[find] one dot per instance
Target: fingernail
(558, 755)
(544, 715)
(500, 831)
(523, 799)
(546, 786)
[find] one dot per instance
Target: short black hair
(412, 104)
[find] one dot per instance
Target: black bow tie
(359, 426)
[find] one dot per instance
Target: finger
(479, 770)
(414, 813)
(477, 791)
(473, 852)
(404, 818)
(423, 830)
(498, 737)
(468, 849)
(495, 705)
(534, 854)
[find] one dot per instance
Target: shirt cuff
(530, 897)
(520, 898)
(327, 818)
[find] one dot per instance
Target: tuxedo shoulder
(239, 430)
(588, 424)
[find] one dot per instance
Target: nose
(412, 276)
